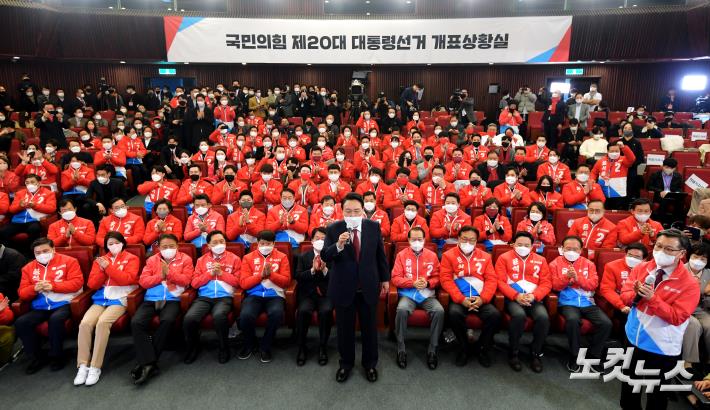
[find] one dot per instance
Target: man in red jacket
(467, 275)
(578, 193)
(289, 220)
(130, 225)
(402, 190)
(595, 230)
(195, 186)
(265, 274)
(29, 206)
(524, 280)
(416, 277)
(49, 282)
(245, 223)
(435, 190)
(376, 214)
(639, 227)
(615, 275)
(71, 230)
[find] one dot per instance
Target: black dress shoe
(191, 354)
(265, 356)
(301, 357)
(322, 356)
(147, 372)
(514, 362)
(371, 375)
(461, 358)
(484, 358)
(536, 363)
(35, 365)
(432, 360)
(402, 360)
(342, 375)
(224, 355)
(57, 363)
(136, 372)
(245, 353)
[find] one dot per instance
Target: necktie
(659, 278)
(356, 244)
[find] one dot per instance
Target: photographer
(455, 101)
(390, 121)
(333, 107)
(468, 112)
(382, 105)
(526, 100)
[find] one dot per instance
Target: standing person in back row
(360, 274)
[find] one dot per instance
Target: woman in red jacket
(493, 225)
(545, 193)
(536, 224)
(113, 276)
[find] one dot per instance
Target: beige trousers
(100, 318)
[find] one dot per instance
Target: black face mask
(505, 144)
(194, 177)
(545, 189)
(476, 143)
(172, 146)
(229, 178)
(428, 157)
(475, 182)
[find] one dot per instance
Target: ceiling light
(308, 64)
(367, 14)
(186, 63)
(122, 62)
(244, 63)
(16, 58)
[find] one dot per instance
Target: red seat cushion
(123, 323)
(474, 322)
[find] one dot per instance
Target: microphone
(650, 280)
(350, 231)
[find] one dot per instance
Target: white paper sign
(695, 182)
(698, 135)
(655, 159)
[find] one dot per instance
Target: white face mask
(121, 213)
(597, 137)
(280, 156)
(321, 144)
(663, 259)
(523, 251)
(340, 157)
(201, 210)
(267, 144)
(328, 210)
(571, 256)
(156, 177)
(394, 144)
(76, 165)
(466, 248)
(32, 188)
(346, 133)
(221, 157)
(614, 155)
(632, 262)
(107, 145)
(266, 177)
(37, 162)
(218, 249)
(409, 214)
(437, 131)
(353, 221)
(510, 180)
(451, 208)
(492, 163)
(417, 246)
(253, 133)
(370, 206)
(318, 244)
(642, 217)
(266, 250)
(50, 150)
(535, 217)
(250, 161)
(293, 144)
(44, 258)
(697, 264)
(168, 253)
(204, 148)
(68, 215)
(583, 178)
(365, 146)
(553, 160)
(540, 144)
(333, 177)
(75, 149)
(595, 217)
(102, 180)
(184, 161)
(115, 248)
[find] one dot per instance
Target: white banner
(443, 41)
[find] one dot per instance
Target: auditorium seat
(180, 212)
(138, 210)
(189, 250)
(686, 159)
(702, 173)
(562, 220)
(649, 144)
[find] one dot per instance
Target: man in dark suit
(360, 274)
(409, 101)
(668, 179)
(100, 193)
(312, 294)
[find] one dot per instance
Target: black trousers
(518, 314)
(219, 308)
(25, 328)
(573, 327)
(306, 306)
(488, 313)
(252, 306)
(346, 332)
(657, 400)
(148, 352)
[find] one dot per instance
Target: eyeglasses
(666, 249)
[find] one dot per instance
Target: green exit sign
(166, 71)
(574, 71)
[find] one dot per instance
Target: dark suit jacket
(309, 284)
(104, 193)
(655, 184)
(347, 273)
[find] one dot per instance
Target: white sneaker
(93, 377)
(81, 375)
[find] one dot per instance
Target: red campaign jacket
(180, 271)
(559, 170)
(443, 225)
(224, 193)
(443, 151)
(367, 125)
(505, 195)
(345, 142)
(318, 219)
(45, 201)
(62, 271)
(224, 113)
(121, 271)
(603, 234)
(587, 278)
(534, 154)
(435, 195)
(131, 147)
(213, 220)
(4, 205)
(86, 175)
(381, 218)
(131, 227)
(452, 173)
(300, 219)
(207, 157)
(363, 165)
(9, 182)
(117, 157)
(253, 265)
(511, 268)
(201, 187)
(248, 175)
(84, 233)
(159, 190)
(347, 170)
(47, 171)
(547, 236)
(172, 225)
(474, 155)
(474, 197)
(400, 228)
(308, 196)
(256, 220)
(454, 265)
(392, 196)
(484, 225)
(629, 232)
(614, 169)
(272, 194)
(615, 275)
(551, 200)
(408, 267)
(325, 188)
(298, 152)
(573, 193)
(230, 264)
(380, 191)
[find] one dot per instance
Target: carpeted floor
(281, 384)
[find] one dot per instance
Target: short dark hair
(266, 235)
(114, 200)
(202, 196)
(638, 246)
(469, 228)
(418, 229)
(368, 193)
(42, 241)
(700, 249)
(675, 233)
(575, 238)
(170, 236)
(115, 235)
(288, 190)
(453, 195)
(213, 233)
(411, 202)
(65, 202)
(639, 201)
(162, 201)
(244, 193)
(670, 162)
(318, 229)
(524, 234)
(354, 196)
